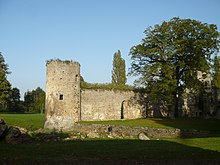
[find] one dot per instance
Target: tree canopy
(170, 56)
(118, 70)
(35, 100)
(16, 105)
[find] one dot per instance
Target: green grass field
(28, 121)
(181, 123)
(36, 121)
(179, 151)
(115, 151)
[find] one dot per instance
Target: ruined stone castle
(66, 103)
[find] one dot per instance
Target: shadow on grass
(106, 152)
(193, 127)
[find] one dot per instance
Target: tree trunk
(177, 93)
(176, 110)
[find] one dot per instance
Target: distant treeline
(34, 102)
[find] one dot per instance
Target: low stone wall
(98, 130)
(111, 131)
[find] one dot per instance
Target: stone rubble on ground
(3, 128)
(143, 136)
(13, 135)
(82, 131)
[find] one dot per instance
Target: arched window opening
(122, 109)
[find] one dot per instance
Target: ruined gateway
(66, 103)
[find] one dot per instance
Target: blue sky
(87, 31)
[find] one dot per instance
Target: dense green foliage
(5, 86)
(170, 56)
(118, 70)
(16, 105)
(35, 100)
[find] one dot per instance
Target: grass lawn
(27, 120)
(105, 151)
(36, 121)
(180, 151)
(181, 123)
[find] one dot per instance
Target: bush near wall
(107, 86)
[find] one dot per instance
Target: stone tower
(62, 94)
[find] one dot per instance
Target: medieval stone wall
(66, 103)
(103, 104)
(62, 94)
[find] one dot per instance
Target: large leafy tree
(118, 70)
(5, 86)
(171, 55)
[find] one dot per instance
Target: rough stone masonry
(67, 103)
(62, 94)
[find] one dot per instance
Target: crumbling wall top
(61, 61)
